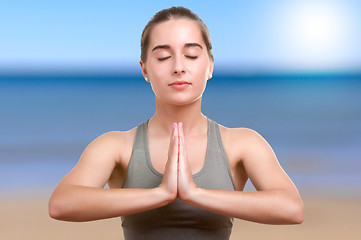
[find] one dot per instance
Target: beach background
(57, 96)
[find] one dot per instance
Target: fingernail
(173, 125)
(181, 126)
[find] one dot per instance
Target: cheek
(155, 71)
(202, 68)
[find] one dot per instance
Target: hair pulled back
(167, 14)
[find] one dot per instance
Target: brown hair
(165, 15)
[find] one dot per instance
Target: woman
(179, 175)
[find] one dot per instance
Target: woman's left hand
(186, 185)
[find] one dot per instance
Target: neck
(190, 115)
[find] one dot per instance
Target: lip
(180, 84)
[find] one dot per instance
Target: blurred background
(291, 70)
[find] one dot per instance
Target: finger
(185, 179)
(181, 139)
(170, 177)
(175, 137)
(182, 152)
(172, 140)
(175, 147)
(180, 129)
(175, 129)
(172, 162)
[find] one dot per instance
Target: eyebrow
(166, 46)
(161, 47)
(193, 45)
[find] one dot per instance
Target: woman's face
(178, 65)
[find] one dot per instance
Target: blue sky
(265, 35)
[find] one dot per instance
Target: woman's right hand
(170, 177)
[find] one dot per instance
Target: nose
(178, 65)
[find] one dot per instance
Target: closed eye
(163, 58)
(192, 57)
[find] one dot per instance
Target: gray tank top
(178, 220)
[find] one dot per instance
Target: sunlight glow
(317, 26)
(316, 31)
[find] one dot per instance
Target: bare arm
(80, 196)
(276, 201)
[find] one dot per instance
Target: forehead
(176, 31)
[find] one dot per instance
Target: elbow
(300, 215)
(54, 209)
(296, 214)
(57, 209)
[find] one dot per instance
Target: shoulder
(240, 135)
(115, 144)
(99, 159)
(243, 142)
(116, 137)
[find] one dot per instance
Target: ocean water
(313, 122)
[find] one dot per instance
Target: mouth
(179, 84)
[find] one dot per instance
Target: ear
(144, 70)
(210, 72)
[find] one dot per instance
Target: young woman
(179, 175)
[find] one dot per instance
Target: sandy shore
(325, 218)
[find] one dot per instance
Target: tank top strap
(139, 143)
(216, 154)
(139, 174)
(214, 140)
